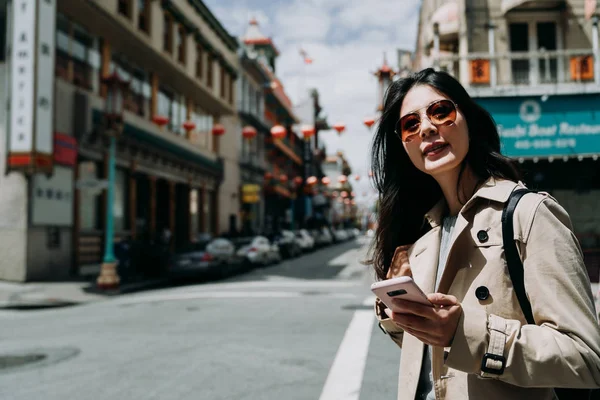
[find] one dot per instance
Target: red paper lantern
(218, 130)
(312, 180)
(248, 132)
(160, 120)
(189, 126)
(283, 178)
(308, 131)
(343, 179)
(278, 132)
(298, 180)
(326, 180)
(357, 177)
(344, 194)
(268, 176)
(339, 127)
(369, 122)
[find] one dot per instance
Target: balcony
(445, 20)
(511, 5)
(527, 73)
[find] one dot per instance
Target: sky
(347, 40)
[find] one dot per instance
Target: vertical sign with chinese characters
(30, 144)
(23, 79)
(44, 132)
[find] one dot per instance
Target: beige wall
(155, 41)
(13, 207)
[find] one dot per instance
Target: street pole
(108, 277)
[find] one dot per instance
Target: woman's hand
(434, 326)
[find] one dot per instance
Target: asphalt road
(298, 330)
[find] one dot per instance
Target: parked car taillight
(207, 257)
(253, 249)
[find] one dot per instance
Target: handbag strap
(513, 260)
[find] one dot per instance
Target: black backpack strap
(513, 260)
(516, 272)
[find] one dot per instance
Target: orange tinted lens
(442, 112)
(409, 126)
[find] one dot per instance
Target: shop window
(199, 61)
(143, 15)
(180, 43)
(209, 74)
(168, 33)
(124, 7)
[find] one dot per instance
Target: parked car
(305, 240)
(340, 235)
(205, 258)
(288, 245)
(322, 237)
(258, 250)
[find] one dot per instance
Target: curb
(41, 302)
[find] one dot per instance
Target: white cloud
(346, 39)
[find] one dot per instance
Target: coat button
(482, 293)
(482, 236)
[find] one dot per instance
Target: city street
(303, 329)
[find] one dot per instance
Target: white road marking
(227, 295)
(346, 374)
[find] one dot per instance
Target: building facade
(254, 133)
(535, 66)
(176, 173)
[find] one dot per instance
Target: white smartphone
(403, 288)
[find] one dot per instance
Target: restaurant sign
(563, 125)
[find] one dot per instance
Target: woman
(443, 184)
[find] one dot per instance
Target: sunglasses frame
(417, 112)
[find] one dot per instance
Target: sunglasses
(439, 113)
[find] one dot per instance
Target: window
(180, 44)
(209, 75)
(143, 15)
(124, 7)
(199, 61)
(77, 55)
(168, 33)
(138, 94)
(231, 86)
(172, 105)
(535, 32)
(204, 124)
(223, 78)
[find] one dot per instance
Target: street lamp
(113, 126)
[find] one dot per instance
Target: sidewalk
(35, 295)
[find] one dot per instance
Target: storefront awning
(447, 19)
(508, 5)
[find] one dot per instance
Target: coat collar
(492, 189)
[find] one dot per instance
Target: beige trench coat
(562, 350)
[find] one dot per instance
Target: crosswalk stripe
(346, 374)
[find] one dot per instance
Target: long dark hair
(406, 193)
